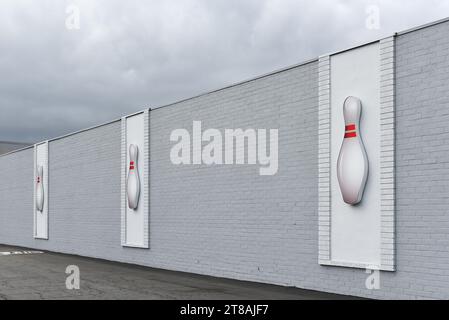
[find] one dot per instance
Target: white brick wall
(227, 220)
(387, 106)
(324, 154)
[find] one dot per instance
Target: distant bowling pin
(133, 183)
(39, 189)
(352, 164)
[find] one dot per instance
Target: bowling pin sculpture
(133, 182)
(352, 164)
(39, 189)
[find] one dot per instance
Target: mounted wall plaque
(352, 163)
(135, 180)
(41, 190)
(356, 179)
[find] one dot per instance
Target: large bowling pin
(352, 164)
(39, 189)
(133, 182)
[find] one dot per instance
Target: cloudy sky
(127, 55)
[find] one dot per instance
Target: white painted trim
(123, 181)
(126, 245)
(334, 263)
(34, 190)
(324, 135)
(387, 152)
(146, 178)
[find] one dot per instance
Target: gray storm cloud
(128, 55)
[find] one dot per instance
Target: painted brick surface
(229, 221)
(16, 197)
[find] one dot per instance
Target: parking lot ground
(26, 274)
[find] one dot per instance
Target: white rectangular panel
(356, 229)
(362, 235)
(135, 130)
(41, 217)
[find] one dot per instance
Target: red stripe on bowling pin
(350, 131)
(352, 134)
(350, 127)
(133, 183)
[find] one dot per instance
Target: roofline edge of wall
(423, 26)
(264, 75)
